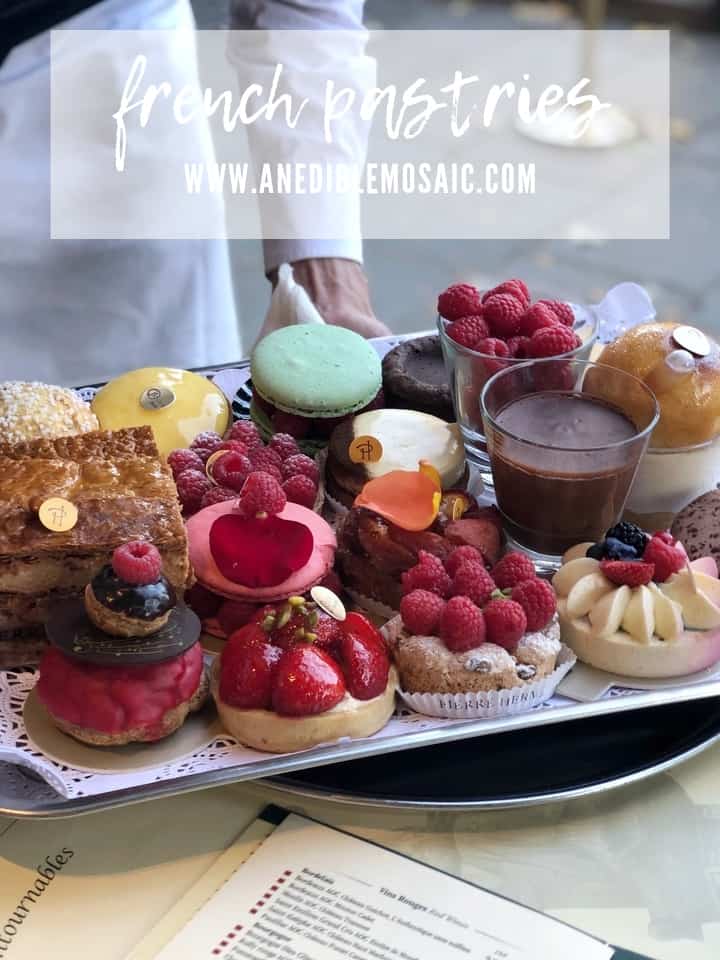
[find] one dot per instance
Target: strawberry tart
(256, 549)
(635, 605)
(296, 677)
(466, 637)
(110, 689)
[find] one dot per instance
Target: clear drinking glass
(468, 371)
(564, 438)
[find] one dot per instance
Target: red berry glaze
(537, 598)
(137, 562)
(421, 611)
(307, 681)
(462, 625)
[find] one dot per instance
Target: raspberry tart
(110, 687)
(296, 677)
(465, 646)
(635, 605)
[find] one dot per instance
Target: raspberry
(284, 445)
(427, 574)
(633, 573)
(537, 598)
(459, 300)
(666, 557)
(563, 311)
(511, 569)
(492, 347)
(481, 532)
(468, 330)
(553, 342)
(206, 444)
(181, 460)
(236, 446)
(263, 457)
(302, 466)
(421, 611)
(300, 489)
(503, 313)
(536, 318)
(231, 470)
(462, 625)
(291, 424)
(246, 432)
(192, 485)
(473, 581)
(663, 535)
(461, 555)
(261, 494)
(137, 562)
(217, 495)
(505, 623)
(518, 347)
(516, 288)
(270, 468)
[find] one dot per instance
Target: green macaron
(316, 370)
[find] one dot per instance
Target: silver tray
(24, 795)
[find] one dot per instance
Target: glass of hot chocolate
(563, 456)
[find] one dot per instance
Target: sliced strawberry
(481, 533)
(307, 681)
(364, 658)
(247, 669)
(631, 573)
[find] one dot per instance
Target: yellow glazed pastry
(177, 404)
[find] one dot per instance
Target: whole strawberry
(248, 665)
(662, 551)
(364, 659)
(537, 598)
(563, 311)
(553, 342)
(511, 569)
(537, 317)
(503, 313)
(468, 330)
(462, 625)
(459, 300)
(421, 611)
(505, 623)
(515, 288)
(307, 681)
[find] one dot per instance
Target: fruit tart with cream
(635, 605)
(297, 677)
(464, 630)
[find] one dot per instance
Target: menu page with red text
(310, 892)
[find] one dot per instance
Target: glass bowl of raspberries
(482, 333)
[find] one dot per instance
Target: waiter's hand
(339, 289)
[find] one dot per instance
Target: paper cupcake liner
(375, 607)
(486, 704)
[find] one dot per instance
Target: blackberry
(630, 534)
(617, 550)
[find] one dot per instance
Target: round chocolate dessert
(117, 603)
(414, 378)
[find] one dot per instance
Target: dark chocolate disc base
(415, 378)
(74, 634)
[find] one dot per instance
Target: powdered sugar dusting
(32, 410)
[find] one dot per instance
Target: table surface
(639, 867)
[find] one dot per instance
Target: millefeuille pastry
(405, 437)
(29, 411)
(126, 666)
(646, 611)
(121, 491)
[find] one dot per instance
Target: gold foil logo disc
(157, 398)
(58, 515)
(365, 450)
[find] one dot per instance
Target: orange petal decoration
(409, 499)
(429, 470)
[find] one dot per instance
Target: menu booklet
(293, 889)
